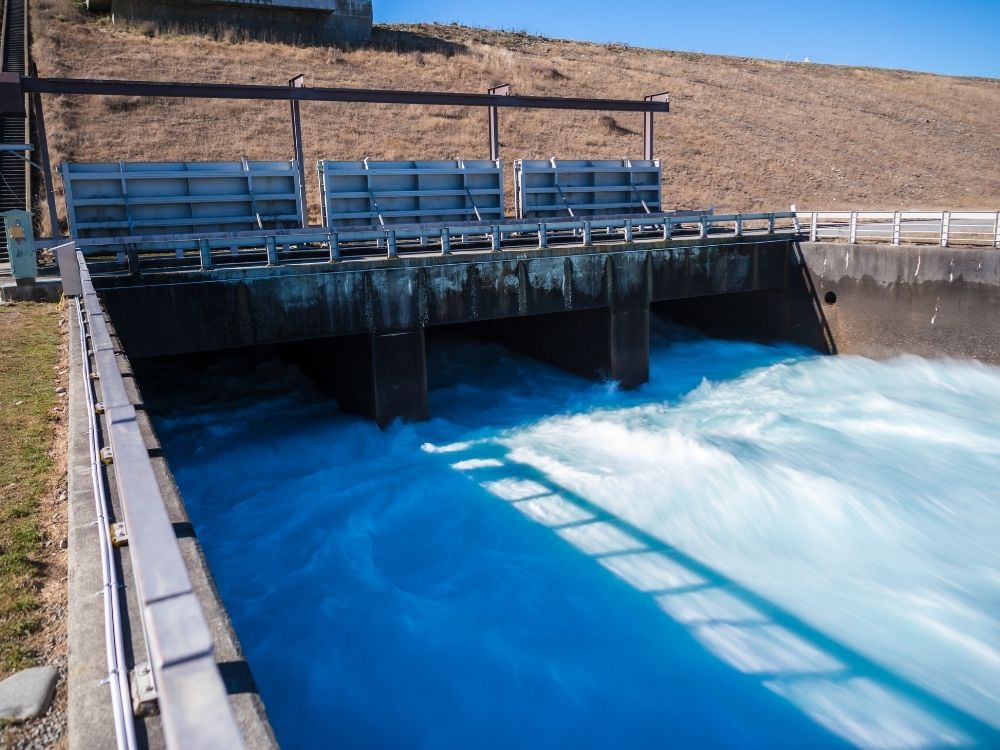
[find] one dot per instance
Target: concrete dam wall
(880, 300)
(321, 21)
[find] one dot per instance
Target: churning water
(760, 548)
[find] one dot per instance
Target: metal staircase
(15, 176)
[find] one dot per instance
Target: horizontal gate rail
(942, 228)
(144, 254)
(193, 702)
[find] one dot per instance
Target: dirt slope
(743, 134)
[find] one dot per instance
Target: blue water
(759, 548)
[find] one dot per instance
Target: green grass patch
(29, 353)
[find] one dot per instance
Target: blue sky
(959, 38)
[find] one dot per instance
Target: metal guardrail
(943, 228)
(365, 193)
(193, 703)
(559, 188)
(142, 254)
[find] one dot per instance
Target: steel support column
(299, 153)
(494, 120)
(647, 124)
(43, 157)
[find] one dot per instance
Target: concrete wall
(880, 300)
(329, 21)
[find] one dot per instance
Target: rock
(60, 389)
(63, 544)
(27, 694)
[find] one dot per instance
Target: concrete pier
(382, 376)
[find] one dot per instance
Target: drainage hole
(829, 298)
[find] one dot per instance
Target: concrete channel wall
(881, 300)
(90, 716)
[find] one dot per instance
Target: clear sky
(961, 37)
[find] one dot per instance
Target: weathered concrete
(30, 290)
(90, 717)
(27, 694)
(881, 300)
(326, 21)
(191, 311)
(792, 313)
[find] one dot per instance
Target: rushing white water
(761, 547)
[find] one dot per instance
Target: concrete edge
(90, 718)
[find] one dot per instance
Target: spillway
(761, 547)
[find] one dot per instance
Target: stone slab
(27, 694)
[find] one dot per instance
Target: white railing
(943, 228)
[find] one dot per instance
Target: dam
(431, 474)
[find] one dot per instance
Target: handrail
(512, 235)
(942, 228)
(193, 703)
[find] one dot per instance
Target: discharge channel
(760, 548)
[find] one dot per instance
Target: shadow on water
(843, 691)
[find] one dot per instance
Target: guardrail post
(668, 227)
(495, 238)
(945, 227)
(333, 242)
(205, 251)
(445, 242)
(272, 251)
(770, 223)
(896, 221)
(542, 238)
(702, 226)
(390, 243)
(996, 230)
(813, 226)
(587, 233)
(628, 230)
(852, 237)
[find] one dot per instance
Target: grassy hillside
(743, 134)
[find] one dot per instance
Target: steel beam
(108, 87)
(494, 120)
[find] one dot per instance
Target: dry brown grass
(743, 134)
